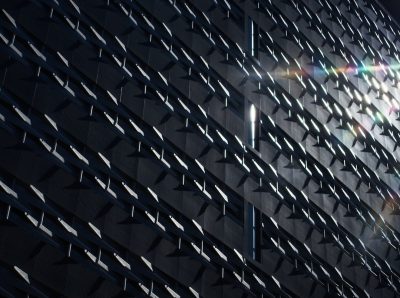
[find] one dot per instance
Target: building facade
(207, 148)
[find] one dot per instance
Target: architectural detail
(204, 148)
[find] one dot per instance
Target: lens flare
(323, 71)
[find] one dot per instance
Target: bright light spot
(367, 100)
(379, 116)
(384, 87)
(369, 112)
(358, 95)
(253, 113)
(375, 83)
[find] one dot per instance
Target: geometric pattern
(213, 148)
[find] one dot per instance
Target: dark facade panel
(209, 148)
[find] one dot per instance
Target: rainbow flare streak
(317, 71)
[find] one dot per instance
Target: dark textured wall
(125, 163)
